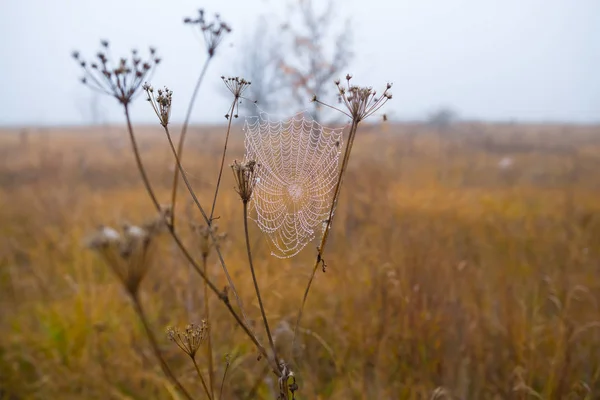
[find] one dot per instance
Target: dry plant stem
(154, 344)
(183, 133)
(189, 301)
(209, 394)
(260, 303)
(212, 236)
(209, 349)
(183, 175)
(212, 210)
(223, 381)
(220, 295)
(321, 248)
(138, 160)
(185, 252)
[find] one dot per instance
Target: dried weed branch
(245, 174)
(360, 103)
(236, 86)
(129, 253)
(213, 33)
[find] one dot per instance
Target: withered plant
(129, 253)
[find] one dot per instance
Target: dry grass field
(463, 264)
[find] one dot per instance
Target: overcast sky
(528, 60)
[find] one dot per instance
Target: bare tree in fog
(314, 55)
(301, 56)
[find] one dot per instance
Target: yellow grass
(447, 276)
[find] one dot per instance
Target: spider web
(298, 160)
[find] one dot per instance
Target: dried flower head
(104, 236)
(128, 253)
(121, 80)
(361, 102)
(245, 174)
(189, 339)
(161, 102)
(236, 86)
(204, 238)
(213, 31)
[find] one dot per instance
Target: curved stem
(183, 133)
(138, 160)
(220, 295)
(212, 235)
(154, 344)
(223, 380)
(321, 249)
(212, 211)
(184, 250)
(209, 349)
(260, 303)
(209, 394)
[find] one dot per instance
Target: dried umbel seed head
(161, 102)
(121, 79)
(134, 239)
(128, 253)
(190, 338)
(245, 174)
(236, 86)
(360, 102)
(205, 241)
(213, 31)
(105, 236)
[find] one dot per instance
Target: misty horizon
(532, 62)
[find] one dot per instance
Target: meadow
(464, 263)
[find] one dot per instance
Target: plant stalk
(184, 128)
(137, 305)
(321, 249)
(214, 239)
(212, 211)
(223, 380)
(138, 160)
(183, 249)
(258, 296)
(209, 349)
(209, 394)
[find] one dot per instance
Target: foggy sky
(527, 60)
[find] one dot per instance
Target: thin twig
(183, 133)
(321, 249)
(209, 394)
(212, 235)
(186, 253)
(189, 300)
(220, 295)
(209, 350)
(258, 296)
(223, 380)
(138, 160)
(212, 211)
(137, 305)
